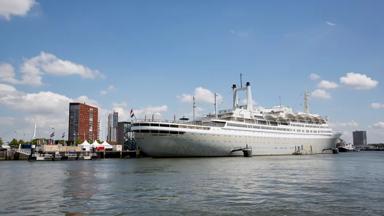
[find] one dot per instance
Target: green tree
(14, 143)
(1, 141)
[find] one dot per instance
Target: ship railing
(166, 121)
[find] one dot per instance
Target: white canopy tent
(95, 144)
(85, 146)
(107, 145)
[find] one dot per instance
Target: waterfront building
(113, 119)
(124, 132)
(83, 122)
(359, 138)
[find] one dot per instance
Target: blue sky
(152, 55)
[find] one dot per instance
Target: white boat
(275, 131)
(346, 148)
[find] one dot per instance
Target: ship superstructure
(273, 131)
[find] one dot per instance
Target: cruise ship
(273, 131)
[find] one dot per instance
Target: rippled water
(343, 184)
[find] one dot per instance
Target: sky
(153, 56)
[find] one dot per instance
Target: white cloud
(358, 81)
(321, 94)
(108, 90)
(47, 109)
(201, 95)
(325, 84)
(33, 69)
(7, 73)
(10, 8)
(377, 106)
(314, 76)
(379, 125)
(123, 110)
(87, 100)
(157, 110)
(345, 128)
(6, 89)
(330, 23)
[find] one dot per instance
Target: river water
(342, 184)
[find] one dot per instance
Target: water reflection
(344, 184)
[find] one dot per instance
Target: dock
(56, 152)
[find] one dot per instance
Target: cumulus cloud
(108, 90)
(325, 84)
(10, 8)
(201, 95)
(314, 76)
(379, 125)
(321, 94)
(7, 73)
(47, 109)
(377, 106)
(345, 128)
(33, 69)
(151, 110)
(124, 111)
(6, 89)
(358, 81)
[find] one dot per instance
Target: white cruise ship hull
(223, 142)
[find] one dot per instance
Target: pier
(56, 152)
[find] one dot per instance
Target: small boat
(346, 148)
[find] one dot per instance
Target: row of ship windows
(159, 131)
(311, 126)
(274, 128)
(171, 125)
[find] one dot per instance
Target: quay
(58, 152)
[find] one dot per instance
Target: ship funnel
(249, 97)
(234, 90)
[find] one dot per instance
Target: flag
(62, 136)
(52, 134)
(132, 114)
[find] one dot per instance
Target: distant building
(113, 119)
(125, 135)
(83, 122)
(359, 138)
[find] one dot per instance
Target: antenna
(194, 108)
(280, 101)
(34, 133)
(241, 80)
(306, 97)
(215, 105)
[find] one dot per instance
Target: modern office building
(359, 138)
(113, 119)
(83, 122)
(125, 135)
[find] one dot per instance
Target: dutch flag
(132, 114)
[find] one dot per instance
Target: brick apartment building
(83, 122)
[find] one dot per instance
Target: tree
(14, 143)
(1, 141)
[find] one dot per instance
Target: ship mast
(215, 105)
(306, 106)
(194, 108)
